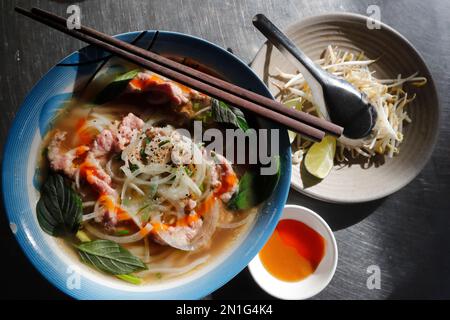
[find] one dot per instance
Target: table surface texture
(407, 235)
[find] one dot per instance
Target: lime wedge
(292, 136)
(320, 157)
(293, 104)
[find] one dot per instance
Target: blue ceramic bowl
(20, 195)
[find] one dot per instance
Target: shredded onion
(88, 204)
(89, 216)
(123, 239)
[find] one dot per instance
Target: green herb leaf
(162, 143)
(133, 167)
(147, 140)
(221, 112)
(188, 171)
(254, 189)
(116, 87)
(82, 236)
(145, 216)
(153, 191)
(59, 210)
(109, 257)
(130, 278)
(246, 197)
(122, 232)
(143, 208)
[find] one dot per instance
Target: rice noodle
(237, 224)
(146, 257)
(174, 270)
(155, 258)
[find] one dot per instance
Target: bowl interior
(395, 55)
(20, 194)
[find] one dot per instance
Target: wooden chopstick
(301, 128)
(306, 118)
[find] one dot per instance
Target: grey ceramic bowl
(396, 55)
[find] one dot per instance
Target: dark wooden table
(407, 234)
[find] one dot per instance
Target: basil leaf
(59, 210)
(245, 197)
(109, 257)
(221, 112)
(254, 189)
(116, 87)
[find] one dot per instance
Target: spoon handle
(311, 72)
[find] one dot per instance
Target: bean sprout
(387, 95)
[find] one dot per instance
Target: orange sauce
(83, 135)
(293, 252)
(229, 180)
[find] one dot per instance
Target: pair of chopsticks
(305, 124)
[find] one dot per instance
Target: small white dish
(314, 283)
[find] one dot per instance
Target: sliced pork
(150, 82)
(87, 161)
(62, 160)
